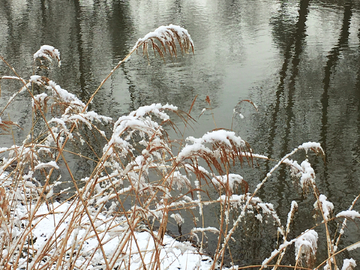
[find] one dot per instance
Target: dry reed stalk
(210, 108)
(329, 243)
(356, 244)
(293, 209)
(235, 111)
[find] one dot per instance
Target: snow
(307, 242)
(92, 116)
(179, 180)
(48, 52)
(311, 145)
(220, 137)
(348, 264)
(39, 98)
(209, 229)
(178, 219)
(307, 174)
(192, 150)
(47, 228)
(224, 136)
(294, 207)
(51, 164)
(155, 109)
(36, 79)
(354, 246)
(275, 252)
(64, 94)
(165, 34)
(230, 179)
(349, 214)
(327, 207)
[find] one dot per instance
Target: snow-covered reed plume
(143, 183)
(164, 39)
(306, 247)
(48, 53)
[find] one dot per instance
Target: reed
(118, 216)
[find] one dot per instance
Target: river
(298, 60)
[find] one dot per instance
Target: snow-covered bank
(50, 229)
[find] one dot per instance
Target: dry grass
(142, 182)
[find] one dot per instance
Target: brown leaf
(208, 100)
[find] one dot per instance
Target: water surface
(297, 60)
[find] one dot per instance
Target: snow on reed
(348, 264)
(49, 53)
(294, 207)
(39, 99)
(276, 252)
(51, 164)
(306, 245)
(178, 181)
(352, 214)
(255, 205)
(178, 219)
(307, 174)
(221, 137)
(354, 246)
(314, 146)
(231, 180)
(304, 172)
(139, 122)
(156, 109)
(166, 36)
(326, 206)
(56, 90)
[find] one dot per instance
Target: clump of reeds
(118, 216)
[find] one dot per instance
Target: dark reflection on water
(298, 60)
(288, 77)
